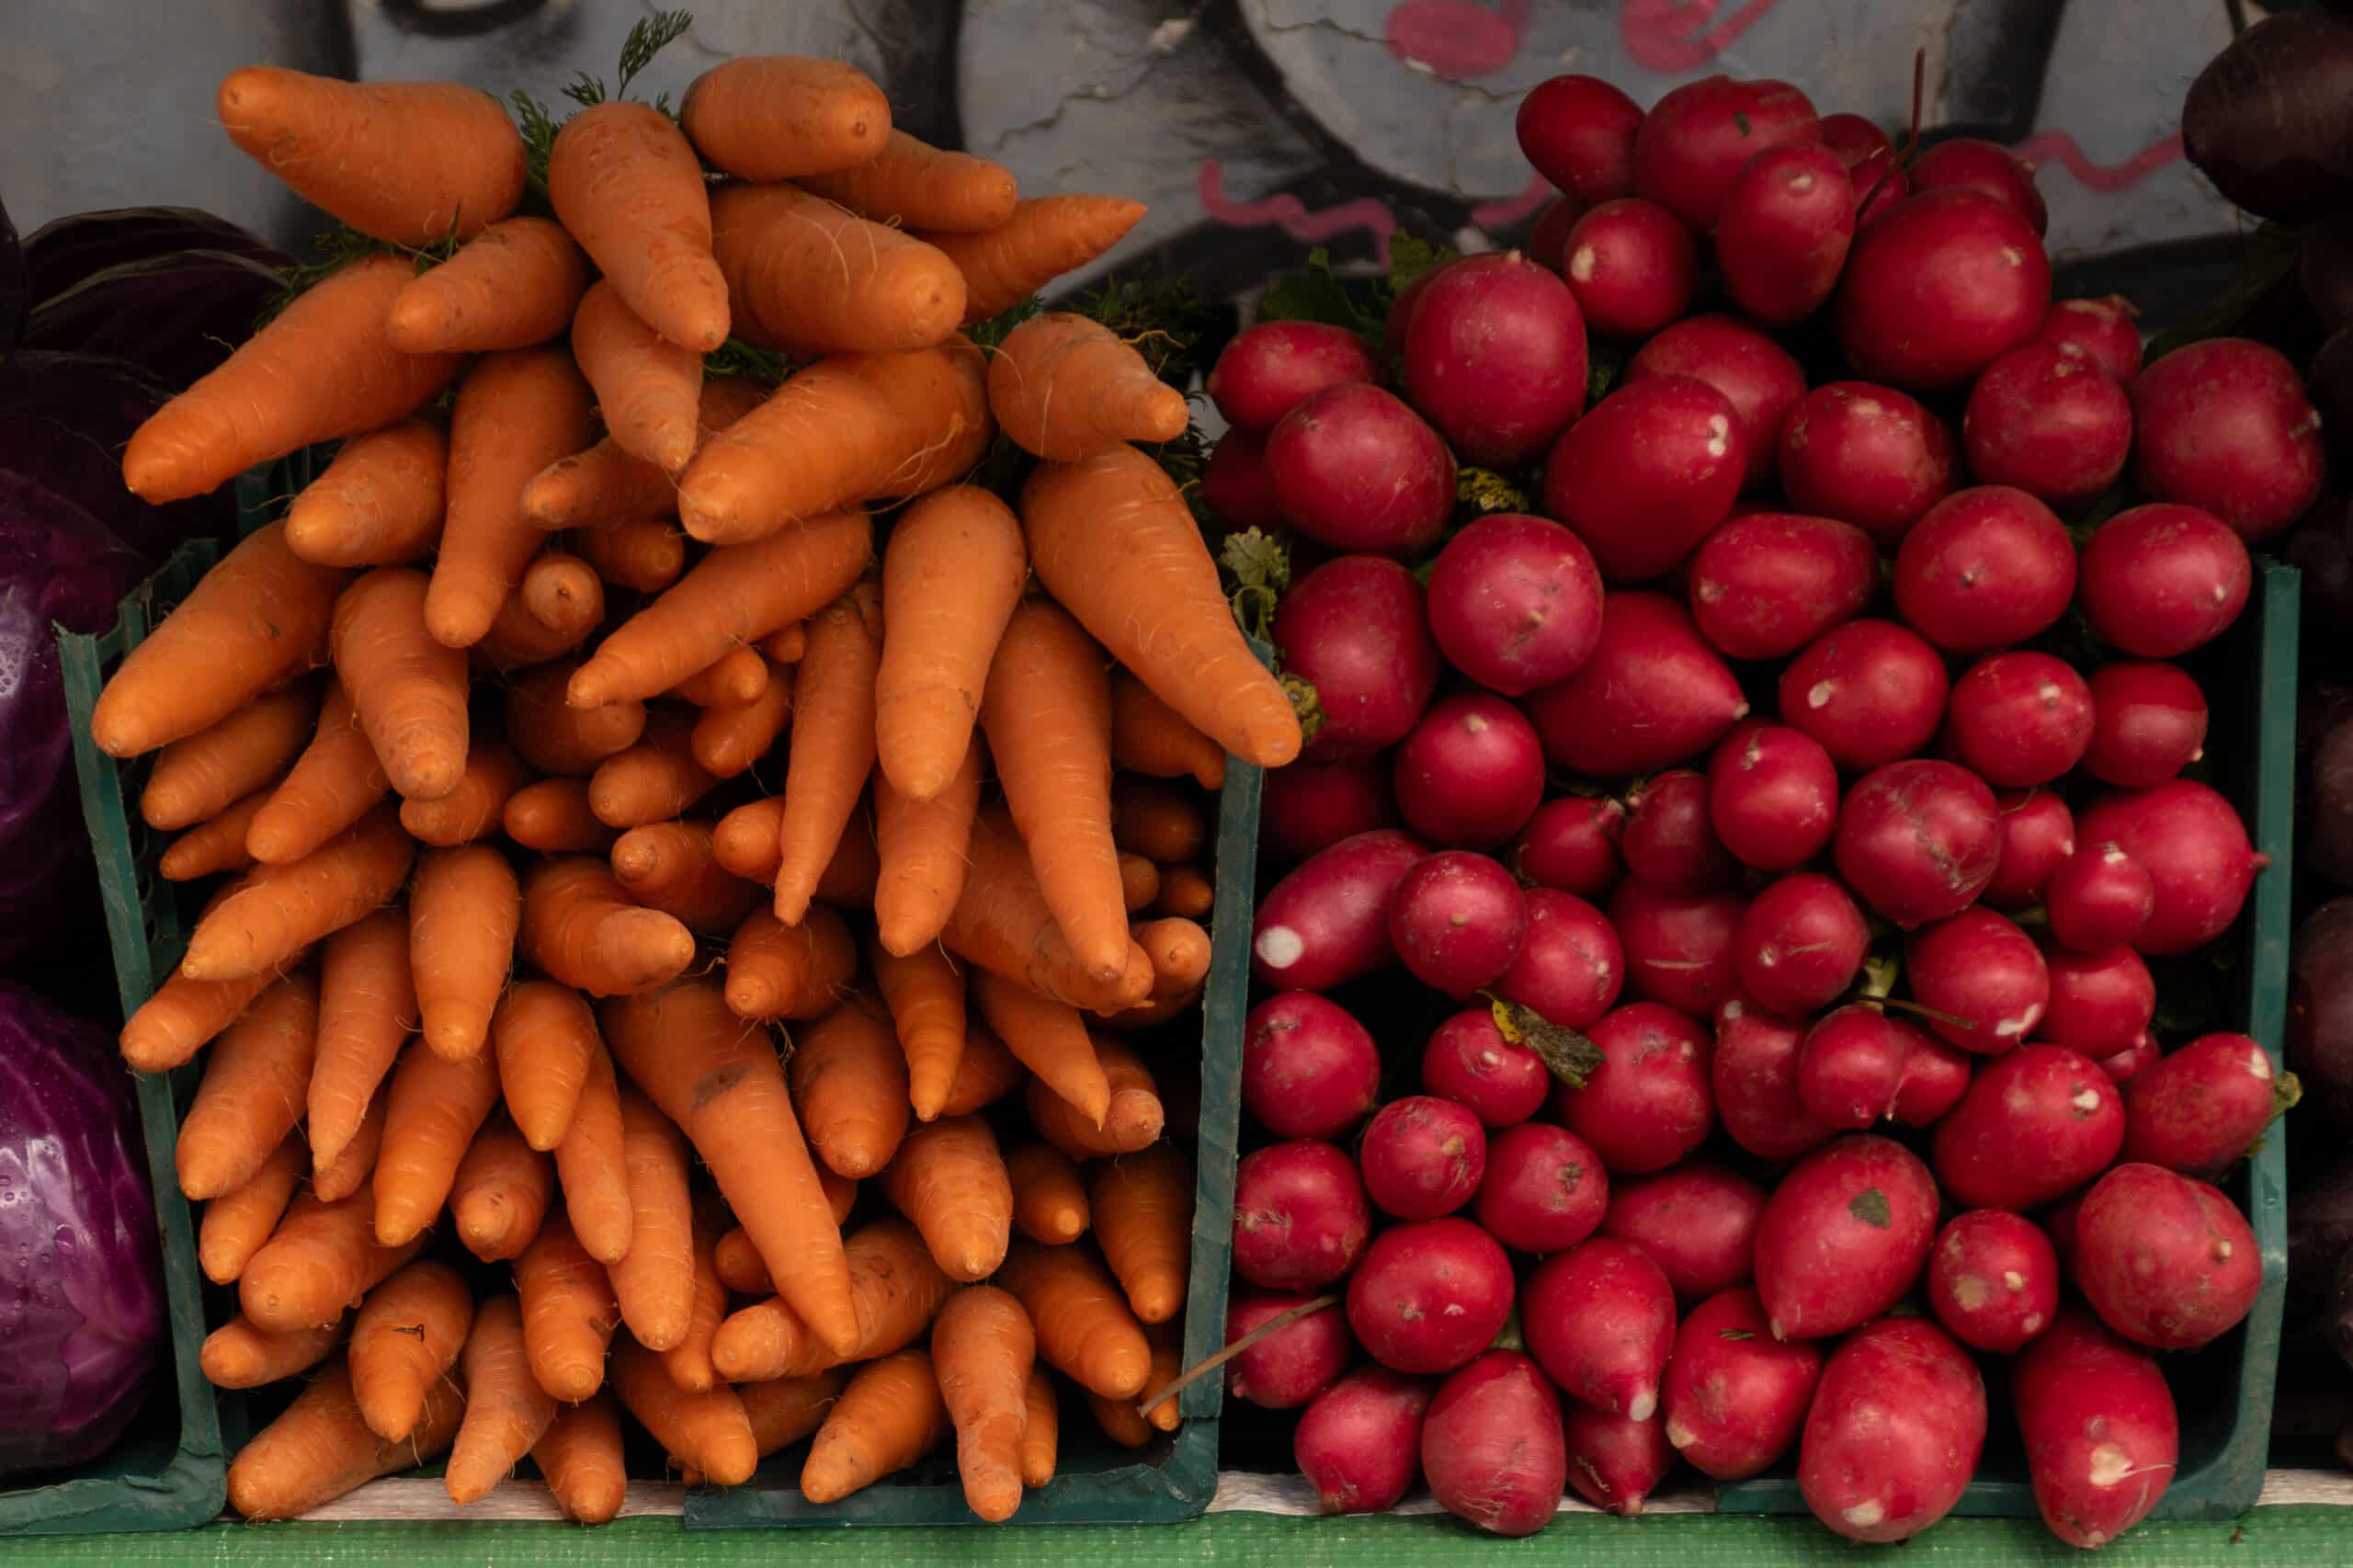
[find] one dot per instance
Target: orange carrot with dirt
(501, 1193)
(507, 1410)
(653, 780)
(1085, 1330)
(648, 388)
(889, 1417)
(1139, 885)
(1150, 738)
(705, 1429)
(922, 848)
(777, 116)
(251, 1096)
(654, 1281)
(811, 278)
(895, 1289)
(512, 286)
(215, 845)
(517, 411)
(239, 1356)
(1043, 238)
(407, 1335)
(517, 639)
(462, 914)
(1157, 820)
(561, 592)
(592, 1166)
(833, 743)
(1049, 1198)
(355, 1166)
(605, 485)
(475, 807)
(408, 690)
(745, 840)
(1185, 893)
(545, 1039)
(849, 1084)
(569, 1313)
(1051, 1038)
(237, 1222)
(734, 678)
(1066, 387)
(197, 777)
(435, 1106)
(580, 1455)
(173, 1024)
(581, 929)
(320, 1449)
(912, 185)
(784, 1410)
(330, 786)
(643, 554)
(986, 1073)
(727, 742)
(1042, 1426)
(669, 865)
(1179, 950)
(948, 1178)
(775, 971)
(951, 576)
(366, 1006)
(688, 1361)
(319, 1262)
(277, 911)
(557, 738)
(925, 994)
(1133, 1122)
(786, 647)
(553, 817)
(625, 183)
(1001, 924)
(982, 1349)
(380, 502)
(1143, 1205)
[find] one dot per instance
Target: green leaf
(1740, 120)
(1318, 295)
(1870, 1206)
(1410, 258)
(1509, 1336)
(1604, 364)
(737, 357)
(1568, 1055)
(1161, 319)
(1485, 491)
(649, 37)
(1306, 703)
(539, 129)
(991, 333)
(1260, 566)
(1880, 972)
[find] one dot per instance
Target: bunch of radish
(1779, 891)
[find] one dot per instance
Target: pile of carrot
(692, 866)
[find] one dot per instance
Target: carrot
(718, 1078)
(330, 787)
(948, 1178)
(517, 639)
(849, 1084)
(580, 927)
(507, 1410)
(1143, 1205)
(239, 1356)
(1118, 1421)
(1150, 738)
(925, 994)
(1184, 892)
(1043, 238)
(1179, 950)
(653, 780)
(500, 1196)
(606, 486)
(322, 370)
(625, 183)
(558, 738)
(668, 865)
(1049, 1201)
(237, 1222)
(647, 388)
(1051, 1038)
(643, 554)
(553, 817)
(380, 502)
(734, 678)
(1157, 820)
(986, 1073)
(367, 1005)
(408, 690)
(173, 1024)
(405, 1339)
(812, 278)
(561, 592)
(409, 162)
(777, 116)
(733, 596)
(255, 1079)
(738, 1264)
(727, 742)
(982, 1349)
(775, 971)
(951, 576)
(494, 773)
(922, 847)
(1001, 923)
(593, 1166)
(745, 840)
(198, 776)
(511, 286)
(319, 1449)
(705, 1429)
(1085, 1328)
(580, 1455)
(569, 1312)
(784, 1410)
(517, 411)
(889, 1417)
(1167, 1365)
(1113, 541)
(259, 617)
(435, 1106)
(320, 1261)
(654, 1279)
(1134, 1120)
(215, 845)
(463, 912)
(786, 647)
(354, 1165)
(833, 743)
(1139, 885)
(688, 1361)
(911, 185)
(1041, 1424)
(851, 427)
(895, 1288)
(1066, 387)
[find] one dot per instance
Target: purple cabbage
(64, 419)
(175, 316)
(16, 285)
(62, 254)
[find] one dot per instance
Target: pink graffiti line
(1455, 37)
(1289, 213)
(1674, 36)
(1509, 210)
(2058, 147)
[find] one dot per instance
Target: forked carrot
(1001, 923)
(592, 1166)
(925, 994)
(776, 117)
(705, 1429)
(1143, 1206)
(654, 1281)
(625, 183)
(1065, 387)
(239, 1356)
(437, 1106)
(407, 1335)
(580, 927)
(647, 387)
(948, 1178)
(911, 185)
(380, 502)
(507, 1410)
(320, 1449)
(1044, 237)
(777, 972)
(735, 677)
(727, 742)
(849, 1085)
(1085, 1328)
(173, 1024)
(1049, 1199)
(408, 690)
(642, 554)
(355, 1166)
(580, 1455)
(1051, 1038)
(215, 845)
(833, 743)
(1134, 1120)
(512, 286)
(557, 738)
(889, 1417)
(569, 1313)
(517, 411)
(653, 780)
(463, 911)
(811, 278)
(366, 1006)
(330, 787)
(923, 847)
(895, 1288)
(1150, 738)
(552, 817)
(982, 1349)
(1041, 1427)
(320, 1261)
(237, 1222)
(197, 777)
(951, 576)
(669, 865)
(688, 1361)
(475, 807)
(255, 1079)
(986, 1073)
(501, 1193)
(606, 486)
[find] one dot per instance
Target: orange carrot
(847, 881)
(366, 1006)
(1049, 1201)
(982, 1349)
(1051, 1038)
(625, 183)
(255, 1079)
(237, 1222)
(517, 411)
(379, 503)
(669, 865)
(173, 1024)
(951, 576)
(462, 915)
(911, 185)
(1179, 951)
(688, 1361)
(895, 1288)
(1001, 923)
(925, 994)
(324, 369)
(653, 780)
(355, 1166)
(812, 278)
(734, 678)
(330, 787)
(319, 1262)
(654, 1281)
(592, 1165)
(727, 742)
(849, 1084)
(833, 743)
(777, 116)
(580, 1455)
(569, 1313)
(435, 1106)
(1139, 885)
(494, 773)
(1085, 1329)
(558, 738)
(1157, 820)
(643, 554)
(561, 592)
(507, 1410)
(647, 388)
(986, 1073)
(1185, 893)
(501, 1193)
(889, 1417)
(512, 286)
(405, 1339)
(320, 1449)
(553, 817)
(1066, 387)
(197, 777)
(1044, 237)
(737, 1263)
(1120, 1419)
(1134, 1120)
(1041, 1424)
(1150, 738)
(775, 971)
(787, 647)
(239, 1356)
(215, 845)
(922, 847)
(707, 1429)
(606, 486)
(580, 927)
(950, 1179)
(517, 639)
(745, 840)
(546, 1041)
(408, 690)
(1143, 1206)
(785, 1409)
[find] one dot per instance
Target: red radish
(1571, 965)
(1309, 1069)
(2199, 1109)
(1651, 695)
(1772, 795)
(1632, 266)
(1895, 1433)
(1695, 139)
(1783, 231)
(1599, 1319)
(1917, 841)
(1853, 137)
(2132, 1061)
(1471, 772)
(2160, 580)
(1754, 1080)
(1326, 923)
(1359, 1443)
(2035, 1124)
(1843, 1236)
(1869, 691)
(1767, 584)
(1698, 1223)
(1299, 1218)
(1578, 131)
(1423, 1157)
(1491, 1446)
(1312, 805)
(2165, 1261)
(1467, 1061)
(1571, 844)
(2099, 898)
(1355, 469)
(1669, 842)
(1945, 284)
(1235, 484)
(2225, 424)
(1272, 368)
(2102, 1437)
(2036, 831)
(1457, 920)
(1647, 474)
(2151, 723)
(1292, 1365)
(1614, 1461)
(2101, 1003)
(1648, 1104)
(1679, 948)
(2100, 331)
(2052, 423)
(1850, 1071)
(1735, 1397)
(1355, 631)
(1515, 602)
(1544, 1190)
(1757, 374)
(2019, 720)
(1983, 976)
(1935, 1078)
(1986, 166)
(1401, 312)
(2196, 851)
(1429, 1295)
(1879, 183)
(1986, 567)
(1496, 358)
(1801, 944)
(1867, 455)
(1548, 237)
(1993, 1280)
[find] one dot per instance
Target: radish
(1235, 484)
(1869, 691)
(1359, 1442)
(1648, 1104)
(2165, 1261)
(2019, 720)
(1571, 966)
(1867, 455)
(2150, 723)
(1734, 1396)
(1757, 374)
(1993, 1280)
(1698, 1223)
(1292, 1365)
(1309, 1069)
(2160, 580)
(2037, 1123)
(1299, 1218)
(1893, 1436)
(1843, 1236)
(1945, 284)
(1679, 948)
(1355, 631)
(2037, 831)
(2099, 899)
(1457, 920)
(1544, 1190)
(1496, 358)
(1783, 231)
(2196, 851)
(2199, 1109)
(1851, 1070)
(1878, 181)
(1599, 1319)
(1571, 844)
(1971, 164)
(1491, 1446)
(2102, 1437)
(1467, 1061)
(1984, 980)
(1984, 568)
(1548, 238)
(2132, 1061)
(1401, 314)
(1801, 944)
(1754, 1083)
(1669, 841)
(2049, 421)
(2100, 331)
(1647, 475)
(1767, 584)
(1853, 137)
(1614, 1461)
(1429, 1296)
(2225, 424)
(1327, 922)
(2101, 1003)
(1272, 368)
(1578, 131)
(1355, 469)
(2059, 1224)
(1935, 1078)
(1309, 806)
(1772, 795)
(1917, 841)
(1632, 266)
(1651, 695)
(1515, 602)
(1471, 773)
(1693, 142)
(1423, 1157)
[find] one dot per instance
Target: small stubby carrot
(517, 639)
(738, 1265)
(324, 369)
(581, 929)
(922, 849)
(1002, 923)
(1041, 1427)
(569, 1313)
(552, 817)
(545, 1039)
(217, 844)
(1139, 885)
(330, 786)
(408, 1333)
(1049, 1199)
(1051, 1038)
(778, 971)
(475, 807)
(1133, 1120)
(1157, 820)
(727, 742)
(1065, 387)
(501, 1193)
(592, 1166)
(259, 617)
(948, 1178)
(642, 554)
(745, 840)
(239, 1356)
(319, 1262)
(580, 1455)
(1085, 1330)
(605, 485)
(1043, 238)
(408, 690)
(237, 1222)
(197, 777)
(517, 411)
(173, 1024)
(784, 1410)
(652, 782)
(688, 1361)
(951, 576)
(1143, 1205)
(507, 1410)
(511, 286)
(734, 678)
(379, 503)
(319, 1449)
(912, 185)
(832, 746)
(705, 1429)
(895, 1289)
(925, 994)
(354, 1165)
(464, 908)
(561, 592)
(654, 1279)
(890, 1415)
(777, 116)
(647, 387)
(786, 647)
(982, 1349)
(1151, 738)
(1179, 950)
(849, 1084)
(986, 1073)
(557, 738)
(625, 183)
(669, 865)
(366, 1006)
(807, 276)
(254, 1081)
(1167, 1365)
(1185, 893)
(435, 1106)
(1119, 1420)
